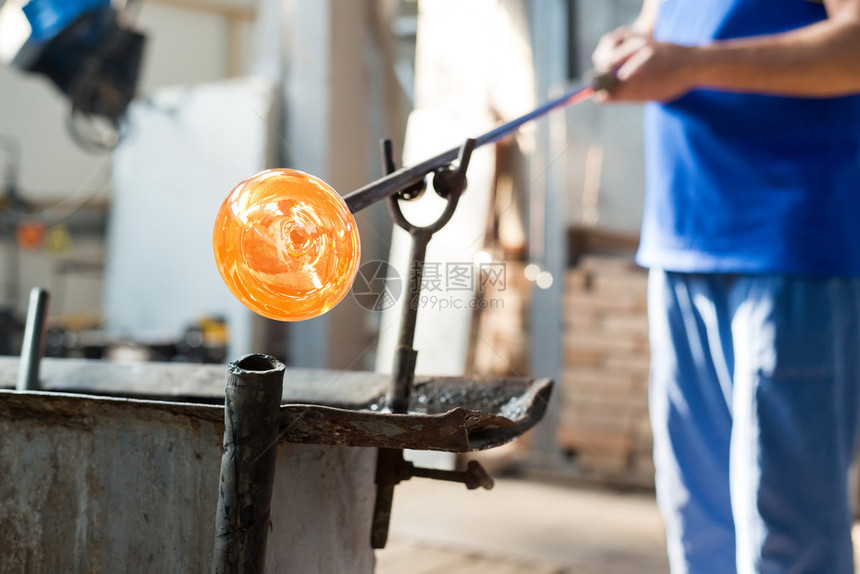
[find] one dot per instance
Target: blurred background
(225, 88)
(111, 208)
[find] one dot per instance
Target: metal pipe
(252, 402)
(473, 477)
(409, 176)
(34, 338)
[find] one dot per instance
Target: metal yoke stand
(448, 182)
(391, 468)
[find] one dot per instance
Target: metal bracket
(449, 182)
(392, 469)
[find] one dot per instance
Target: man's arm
(819, 60)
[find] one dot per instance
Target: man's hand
(605, 55)
(820, 60)
(646, 69)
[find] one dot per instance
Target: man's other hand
(646, 69)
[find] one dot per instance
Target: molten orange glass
(286, 245)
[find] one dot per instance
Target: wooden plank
(590, 301)
(517, 568)
(632, 324)
(600, 421)
(600, 444)
(601, 264)
(585, 242)
(576, 280)
(583, 320)
(463, 565)
(576, 358)
(603, 402)
(632, 282)
(394, 551)
(598, 379)
(605, 342)
(475, 564)
(636, 365)
(398, 559)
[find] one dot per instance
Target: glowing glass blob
(286, 245)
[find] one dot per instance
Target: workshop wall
(184, 47)
(605, 169)
(188, 43)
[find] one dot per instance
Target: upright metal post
(252, 402)
(548, 245)
(406, 356)
(34, 337)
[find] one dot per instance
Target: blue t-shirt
(741, 183)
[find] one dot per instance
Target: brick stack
(604, 417)
(500, 348)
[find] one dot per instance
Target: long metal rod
(408, 176)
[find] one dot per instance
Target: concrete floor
(523, 527)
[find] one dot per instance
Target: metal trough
(114, 467)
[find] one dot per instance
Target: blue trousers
(755, 395)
